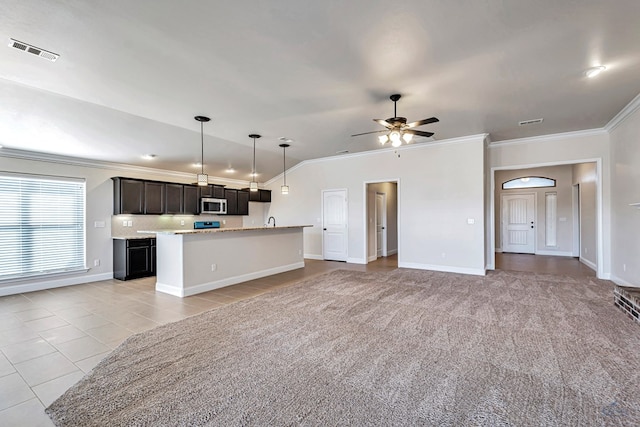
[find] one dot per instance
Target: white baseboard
(555, 253)
(621, 282)
(209, 286)
(52, 283)
(356, 261)
(498, 250)
(372, 258)
(444, 268)
(313, 256)
(589, 264)
(392, 252)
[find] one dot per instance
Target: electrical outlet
(214, 267)
(98, 224)
(124, 223)
(181, 222)
(129, 223)
(471, 221)
(444, 255)
(96, 263)
(224, 221)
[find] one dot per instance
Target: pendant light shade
(203, 178)
(284, 189)
(253, 186)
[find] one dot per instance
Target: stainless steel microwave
(213, 206)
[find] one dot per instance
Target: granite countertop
(141, 235)
(221, 230)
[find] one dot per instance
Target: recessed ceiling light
(230, 170)
(149, 156)
(285, 139)
(196, 165)
(594, 71)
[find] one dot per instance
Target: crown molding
(422, 145)
(98, 164)
(550, 137)
(628, 110)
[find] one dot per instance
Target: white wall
(440, 186)
(568, 148)
(99, 207)
(625, 160)
(585, 175)
(563, 177)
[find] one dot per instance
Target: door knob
(324, 229)
(532, 226)
(383, 228)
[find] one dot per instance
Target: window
(42, 226)
(529, 182)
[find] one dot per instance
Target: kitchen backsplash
(165, 222)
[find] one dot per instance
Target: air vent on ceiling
(529, 122)
(25, 47)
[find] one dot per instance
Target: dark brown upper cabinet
(174, 199)
(154, 197)
(128, 196)
(191, 200)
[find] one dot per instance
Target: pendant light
(254, 185)
(285, 188)
(203, 178)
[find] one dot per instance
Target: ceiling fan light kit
(398, 129)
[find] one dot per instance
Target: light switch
(129, 223)
(471, 221)
(98, 224)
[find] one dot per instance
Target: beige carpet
(405, 347)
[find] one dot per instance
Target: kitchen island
(190, 262)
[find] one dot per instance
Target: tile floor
(50, 339)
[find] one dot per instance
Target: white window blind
(42, 225)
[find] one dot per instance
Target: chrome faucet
(269, 221)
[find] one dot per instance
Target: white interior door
(518, 222)
(381, 224)
(334, 225)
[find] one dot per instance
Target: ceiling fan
(398, 129)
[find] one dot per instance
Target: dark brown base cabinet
(134, 258)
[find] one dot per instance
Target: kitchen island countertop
(220, 230)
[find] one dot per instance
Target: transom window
(42, 225)
(529, 182)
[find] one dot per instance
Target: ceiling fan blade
(422, 122)
(366, 133)
(384, 123)
(419, 133)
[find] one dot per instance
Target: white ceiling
(132, 74)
